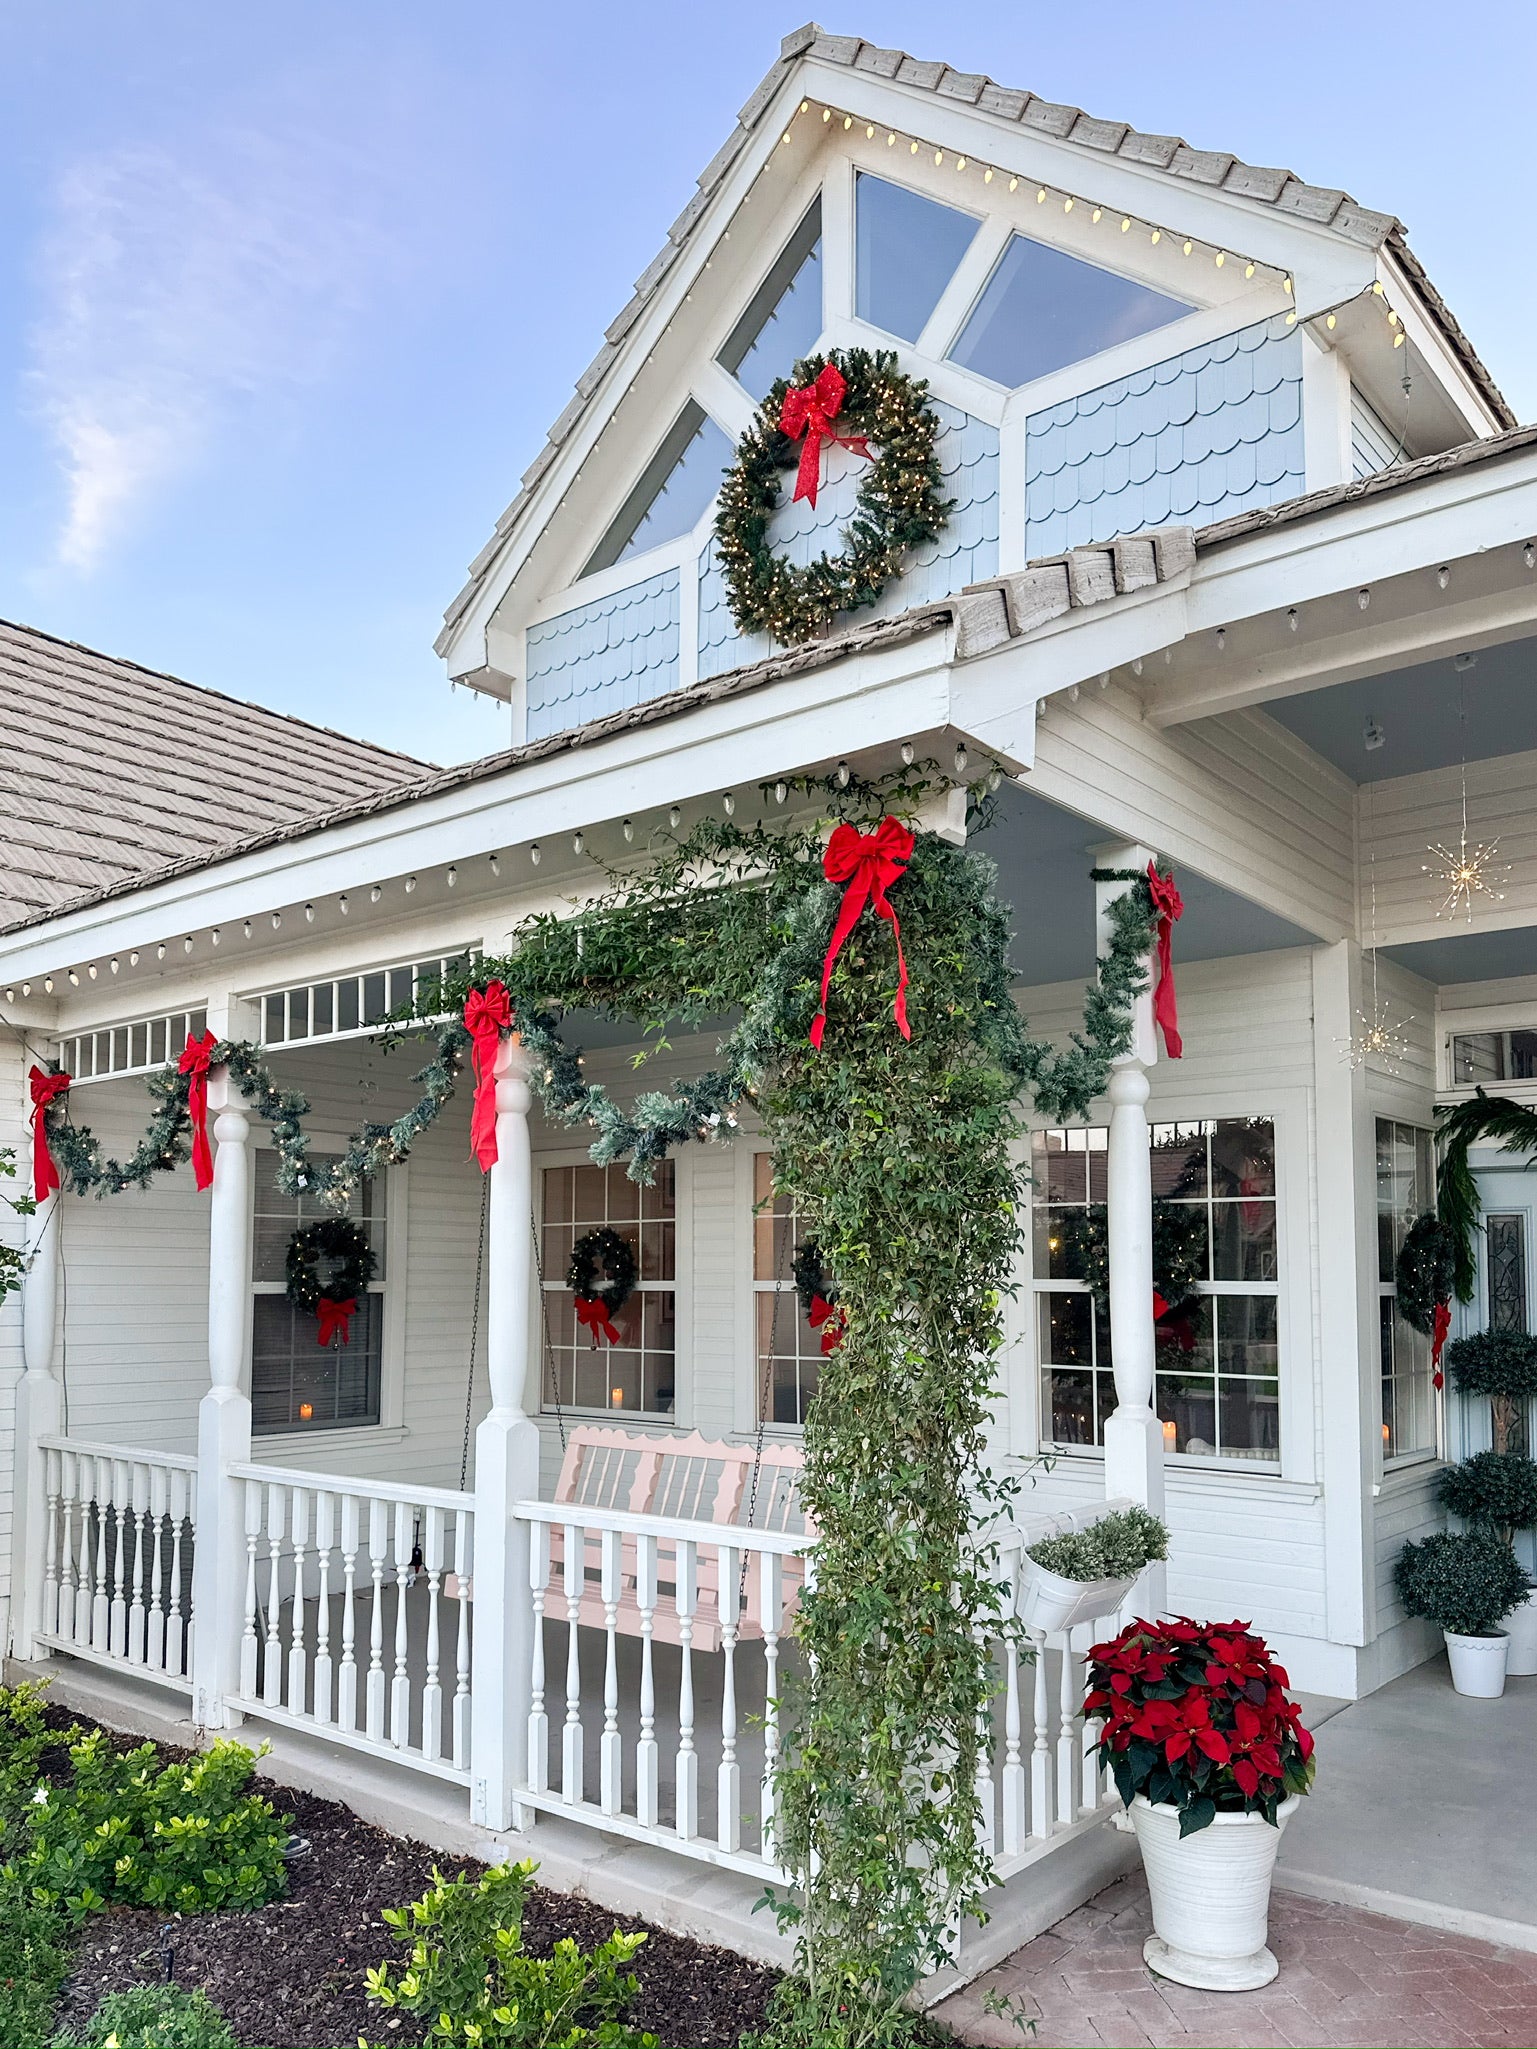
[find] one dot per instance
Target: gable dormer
(1118, 333)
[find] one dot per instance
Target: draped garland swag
(886, 1064)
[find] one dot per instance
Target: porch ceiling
(1478, 956)
(1417, 709)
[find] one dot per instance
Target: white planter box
(1048, 1601)
(1478, 1664)
(1210, 1896)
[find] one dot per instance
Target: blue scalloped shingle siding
(604, 656)
(965, 552)
(1208, 433)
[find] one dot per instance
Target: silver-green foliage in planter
(1115, 1547)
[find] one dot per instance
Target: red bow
(1178, 1327)
(1170, 906)
(829, 1319)
(336, 1318)
(45, 1087)
(1439, 1335)
(196, 1059)
(487, 1014)
(592, 1314)
(810, 409)
(868, 863)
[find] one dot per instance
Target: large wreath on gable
(849, 398)
(334, 1300)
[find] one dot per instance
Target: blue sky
(289, 292)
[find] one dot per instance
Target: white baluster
(1067, 1735)
(464, 1567)
(432, 1690)
(248, 1643)
(771, 1598)
(101, 1600)
(52, 1462)
(987, 1819)
(400, 1675)
(1013, 1762)
(138, 1522)
(378, 1551)
(325, 1538)
(538, 1719)
(159, 1498)
(574, 1567)
(1040, 1754)
(728, 1778)
(645, 1748)
(179, 1507)
(69, 1584)
(272, 1650)
(85, 1600)
(347, 1675)
(686, 1600)
(121, 1499)
(298, 1657)
(611, 1745)
(1093, 1789)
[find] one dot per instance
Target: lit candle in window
(1170, 1433)
(616, 1396)
(1387, 1435)
(306, 1411)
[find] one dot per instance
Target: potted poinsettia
(1211, 1758)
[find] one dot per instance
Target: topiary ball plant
(1464, 1583)
(1493, 1490)
(1501, 1364)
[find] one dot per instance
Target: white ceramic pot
(1478, 1663)
(1048, 1601)
(1210, 1896)
(1520, 1625)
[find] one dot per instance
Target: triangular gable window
(906, 249)
(1042, 309)
(674, 489)
(785, 317)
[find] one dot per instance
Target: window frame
(750, 1149)
(1387, 1290)
(392, 1287)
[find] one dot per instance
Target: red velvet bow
(592, 1314)
(1178, 1327)
(487, 1014)
(1439, 1334)
(1170, 906)
(196, 1059)
(829, 1319)
(810, 409)
(868, 863)
(45, 1088)
(335, 1317)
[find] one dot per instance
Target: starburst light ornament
(1379, 1036)
(1466, 872)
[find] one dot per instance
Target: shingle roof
(1214, 169)
(110, 772)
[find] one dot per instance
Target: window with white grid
(583, 1370)
(789, 1349)
(296, 1382)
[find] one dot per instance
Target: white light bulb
(186, 945)
(781, 791)
(728, 804)
(1291, 618)
(48, 984)
(1363, 598)
(410, 884)
(1443, 576)
(578, 841)
(133, 957)
(1221, 637)
(113, 964)
(341, 903)
(91, 971)
(534, 854)
(452, 876)
(309, 914)
(496, 864)
(245, 930)
(843, 775)
(629, 831)
(74, 979)
(674, 816)
(375, 893)
(160, 951)
(961, 759)
(214, 936)
(907, 753)
(1529, 554)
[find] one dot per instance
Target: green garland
(1494, 1120)
(899, 506)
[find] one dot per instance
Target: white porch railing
(356, 1622)
(118, 1538)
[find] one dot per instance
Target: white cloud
(183, 284)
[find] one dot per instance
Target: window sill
(1408, 1464)
(1239, 1476)
(362, 1437)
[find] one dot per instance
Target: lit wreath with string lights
(615, 1256)
(334, 1300)
(855, 398)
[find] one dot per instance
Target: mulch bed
(291, 1975)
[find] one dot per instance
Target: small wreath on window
(599, 1300)
(1425, 1272)
(1179, 1262)
(334, 1301)
(853, 398)
(818, 1294)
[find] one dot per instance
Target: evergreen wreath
(1179, 1251)
(1425, 1272)
(811, 1277)
(616, 1256)
(337, 1238)
(899, 506)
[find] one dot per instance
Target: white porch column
(506, 1472)
(39, 1411)
(223, 1420)
(1133, 1434)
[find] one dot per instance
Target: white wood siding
(1402, 818)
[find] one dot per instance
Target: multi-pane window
(583, 1370)
(296, 1382)
(1217, 1386)
(906, 250)
(672, 493)
(1042, 309)
(1494, 1056)
(789, 1348)
(1406, 1188)
(784, 318)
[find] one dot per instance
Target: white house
(1240, 570)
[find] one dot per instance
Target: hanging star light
(1466, 873)
(1381, 1037)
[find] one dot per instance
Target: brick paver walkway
(1347, 1978)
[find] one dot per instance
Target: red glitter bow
(810, 409)
(1440, 1332)
(592, 1314)
(335, 1316)
(196, 1059)
(1170, 906)
(829, 1319)
(868, 863)
(45, 1089)
(487, 1014)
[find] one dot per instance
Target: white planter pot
(1210, 1896)
(1048, 1601)
(1478, 1664)
(1520, 1625)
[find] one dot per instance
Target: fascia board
(890, 695)
(1428, 338)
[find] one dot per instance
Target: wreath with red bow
(818, 1295)
(602, 1277)
(333, 1301)
(849, 398)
